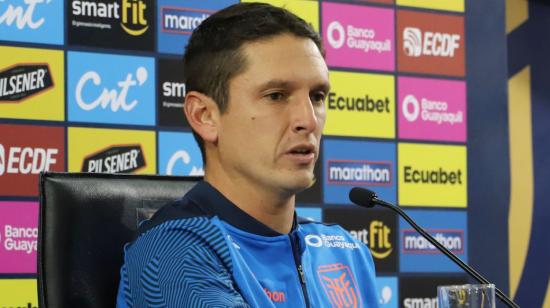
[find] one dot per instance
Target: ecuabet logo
(101, 95)
(339, 285)
(37, 21)
(22, 81)
(115, 159)
(413, 242)
(358, 36)
(350, 172)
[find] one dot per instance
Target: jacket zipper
(298, 262)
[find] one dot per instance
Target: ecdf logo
(438, 44)
(355, 38)
(26, 160)
(413, 242)
(358, 172)
(110, 97)
(23, 81)
(182, 20)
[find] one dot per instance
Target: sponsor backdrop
(415, 113)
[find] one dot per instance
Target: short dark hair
(213, 55)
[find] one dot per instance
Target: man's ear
(203, 115)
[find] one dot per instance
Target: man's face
(270, 134)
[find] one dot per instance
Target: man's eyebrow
(285, 84)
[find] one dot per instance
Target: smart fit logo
(133, 17)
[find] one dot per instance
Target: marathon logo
(22, 81)
(439, 176)
(420, 302)
(359, 172)
(415, 243)
(115, 159)
(20, 239)
(362, 104)
(437, 44)
(182, 20)
(26, 160)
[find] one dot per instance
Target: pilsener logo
(182, 20)
(115, 159)
(22, 81)
(26, 160)
(413, 242)
(358, 172)
(113, 98)
(437, 44)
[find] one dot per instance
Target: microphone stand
(442, 248)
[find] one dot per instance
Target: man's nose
(304, 117)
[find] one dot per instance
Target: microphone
(367, 198)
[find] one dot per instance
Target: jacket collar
(214, 203)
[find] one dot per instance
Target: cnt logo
(437, 44)
(415, 243)
(359, 172)
(131, 14)
(115, 159)
(385, 295)
(356, 38)
(182, 20)
(184, 157)
(26, 160)
(22, 16)
(432, 111)
(113, 98)
(22, 81)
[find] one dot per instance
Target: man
(256, 84)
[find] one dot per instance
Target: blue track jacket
(203, 251)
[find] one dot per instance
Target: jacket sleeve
(179, 268)
(196, 279)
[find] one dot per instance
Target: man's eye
(318, 97)
(276, 96)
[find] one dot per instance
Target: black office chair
(85, 220)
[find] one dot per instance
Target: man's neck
(268, 207)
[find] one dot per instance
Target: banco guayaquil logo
(121, 23)
(21, 81)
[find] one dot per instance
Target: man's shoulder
(180, 210)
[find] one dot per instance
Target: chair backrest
(85, 220)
